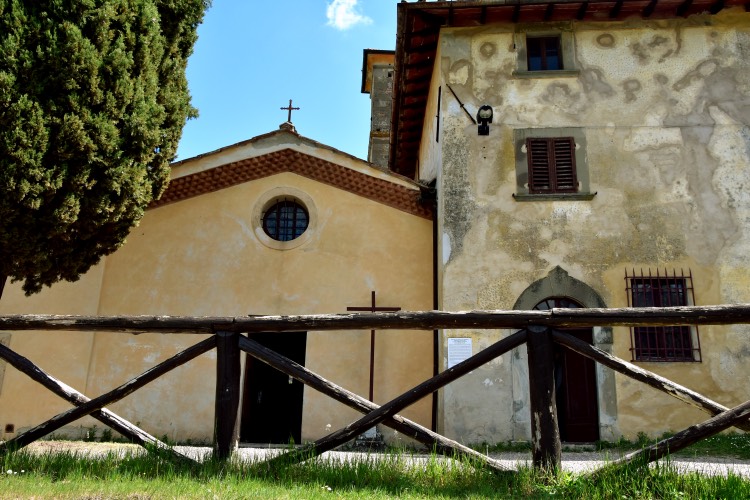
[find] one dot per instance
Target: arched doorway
(558, 283)
(575, 383)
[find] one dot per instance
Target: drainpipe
(435, 335)
(429, 195)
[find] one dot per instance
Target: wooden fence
(539, 330)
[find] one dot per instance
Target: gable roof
(286, 151)
(419, 27)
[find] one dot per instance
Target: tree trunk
(3, 279)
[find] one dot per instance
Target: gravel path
(578, 461)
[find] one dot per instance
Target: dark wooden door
(272, 402)
(575, 383)
(576, 394)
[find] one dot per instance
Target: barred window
(552, 165)
(662, 343)
(285, 220)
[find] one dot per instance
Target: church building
(276, 225)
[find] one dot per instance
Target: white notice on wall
(459, 349)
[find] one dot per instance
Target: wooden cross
(372, 308)
(289, 108)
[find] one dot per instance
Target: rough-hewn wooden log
(391, 408)
(649, 378)
(545, 434)
(226, 422)
(105, 416)
(684, 438)
(127, 324)
(112, 396)
(403, 425)
(402, 320)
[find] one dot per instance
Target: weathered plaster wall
(665, 108)
(205, 256)
(430, 147)
(61, 354)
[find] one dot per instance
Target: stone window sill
(554, 197)
(557, 73)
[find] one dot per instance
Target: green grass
(140, 476)
(730, 445)
(726, 445)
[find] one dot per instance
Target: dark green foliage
(93, 98)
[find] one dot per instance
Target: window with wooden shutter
(552, 165)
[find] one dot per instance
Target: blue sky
(253, 56)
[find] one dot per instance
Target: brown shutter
(565, 165)
(539, 165)
(552, 165)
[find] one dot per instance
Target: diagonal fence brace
(646, 377)
(112, 396)
(403, 425)
(105, 416)
(391, 408)
(682, 439)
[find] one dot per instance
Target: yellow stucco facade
(206, 254)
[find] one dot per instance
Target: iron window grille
(662, 343)
(285, 220)
(552, 165)
(543, 53)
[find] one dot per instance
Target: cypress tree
(93, 98)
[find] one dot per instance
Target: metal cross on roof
(289, 108)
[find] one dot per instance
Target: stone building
(584, 154)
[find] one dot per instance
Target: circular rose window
(285, 220)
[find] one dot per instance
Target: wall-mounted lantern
(484, 118)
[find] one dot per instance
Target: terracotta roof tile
(288, 160)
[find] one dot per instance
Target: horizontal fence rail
(401, 320)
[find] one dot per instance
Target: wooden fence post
(545, 434)
(226, 424)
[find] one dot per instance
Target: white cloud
(342, 14)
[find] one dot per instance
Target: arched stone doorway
(559, 285)
(575, 383)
